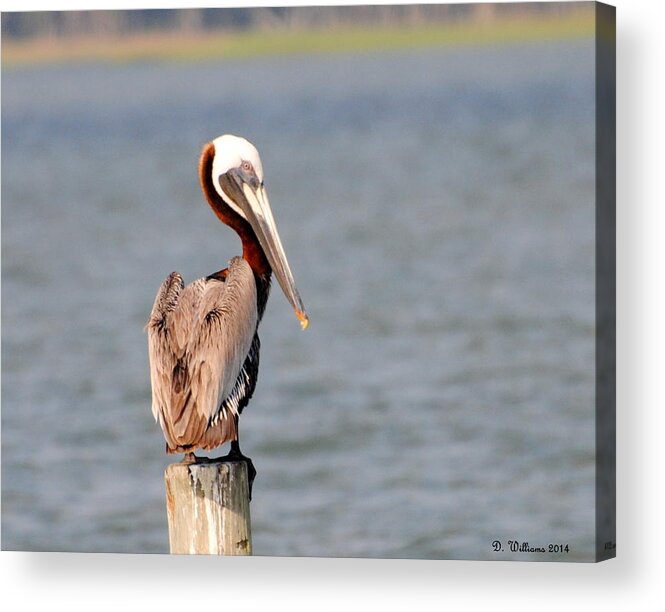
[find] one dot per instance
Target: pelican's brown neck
(251, 249)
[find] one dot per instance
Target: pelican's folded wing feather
(163, 343)
(222, 338)
(199, 337)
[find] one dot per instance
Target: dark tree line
(16, 25)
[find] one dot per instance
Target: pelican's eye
(248, 174)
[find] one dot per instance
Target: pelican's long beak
(256, 206)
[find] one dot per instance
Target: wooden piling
(207, 505)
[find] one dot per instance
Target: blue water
(437, 208)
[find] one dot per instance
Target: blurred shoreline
(225, 43)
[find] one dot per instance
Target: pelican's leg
(235, 454)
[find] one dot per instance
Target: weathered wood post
(207, 505)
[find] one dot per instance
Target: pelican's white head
(232, 152)
(237, 175)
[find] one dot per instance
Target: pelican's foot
(190, 458)
(236, 455)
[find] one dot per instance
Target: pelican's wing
(165, 340)
(245, 383)
(221, 339)
(199, 337)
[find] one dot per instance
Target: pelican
(203, 343)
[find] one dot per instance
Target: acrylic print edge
(605, 17)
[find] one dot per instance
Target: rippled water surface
(437, 208)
